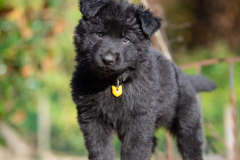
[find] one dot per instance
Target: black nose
(108, 59)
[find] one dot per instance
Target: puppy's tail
(201, 84)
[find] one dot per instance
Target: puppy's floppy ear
(149, 22)
(89, 8)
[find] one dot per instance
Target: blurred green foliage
(37, 59)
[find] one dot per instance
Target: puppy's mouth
(106, 70)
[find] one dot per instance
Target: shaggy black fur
(113, 43)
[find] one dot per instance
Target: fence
(230, 61)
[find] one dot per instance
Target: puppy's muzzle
(108, 59)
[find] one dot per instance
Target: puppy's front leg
(98, 140)
(137, 138)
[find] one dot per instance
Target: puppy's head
(113, 36)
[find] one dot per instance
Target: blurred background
(37, 114)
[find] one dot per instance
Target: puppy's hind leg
(187, 128)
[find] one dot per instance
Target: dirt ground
(7, 155)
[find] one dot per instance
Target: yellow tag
(117, 91)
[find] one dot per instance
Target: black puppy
(122, 84)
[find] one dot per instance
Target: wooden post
(199, 99)
(233, 109)
(169, 147)
(43, 132)
(199, 96)
(229, 135)
(159, 36)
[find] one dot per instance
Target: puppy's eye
(125, 40)
(100, 34)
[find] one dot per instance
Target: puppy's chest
(136, 99)
(133, 95)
